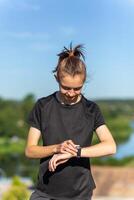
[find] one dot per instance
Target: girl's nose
(71, 92)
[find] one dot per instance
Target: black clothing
(37, 196)
(57, 123)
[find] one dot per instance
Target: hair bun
(70, 61)
(71, 53)
(77, 51)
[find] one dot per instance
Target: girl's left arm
(106, 146)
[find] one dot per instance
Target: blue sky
(32, 32)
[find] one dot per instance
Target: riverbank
(113, 198)
(113, 182)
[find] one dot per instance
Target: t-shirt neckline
(67, 105)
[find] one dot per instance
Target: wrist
(79, 151)
(56, 149)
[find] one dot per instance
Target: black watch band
(79, 151)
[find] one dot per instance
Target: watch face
(78, 147)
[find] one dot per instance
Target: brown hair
(70, 62)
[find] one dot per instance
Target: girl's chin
(70, 98)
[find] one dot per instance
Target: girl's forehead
(68, 79)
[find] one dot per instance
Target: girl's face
(71, 86)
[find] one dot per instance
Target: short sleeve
(34, 118)
(99, 119)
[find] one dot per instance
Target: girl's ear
(55, 75)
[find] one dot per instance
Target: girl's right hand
(58, 159)
(67, 147)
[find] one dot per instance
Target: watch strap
(79, 151)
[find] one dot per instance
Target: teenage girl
(66, 120)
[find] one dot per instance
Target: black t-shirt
(57, 123)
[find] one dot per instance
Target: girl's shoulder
(45, 100)
(90, 105)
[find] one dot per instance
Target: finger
(72, 148)
(54, 161)
(71, 143)
(54, 164)
(67, 145)
(63, 151)
(63, 147)
(49, 167)
(61, 162)
(68, 150)
(51, 163)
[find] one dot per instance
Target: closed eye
(69, 88)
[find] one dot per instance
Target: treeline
(14, 129)
(13, 134)
(118, 115)
(14, 115)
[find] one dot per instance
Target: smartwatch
(79, 151)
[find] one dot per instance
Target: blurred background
(32, 33)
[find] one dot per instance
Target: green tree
(27, 105)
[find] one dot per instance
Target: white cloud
(42, 47)
(27, 6)
(37, 41)
(19, 5)
(131, 1)
(68, 30)
(4, 3)
(126, 2)
(27, 34)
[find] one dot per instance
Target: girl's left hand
(58, 159)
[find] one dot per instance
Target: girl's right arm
(33, 150)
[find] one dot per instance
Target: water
(125, 149)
